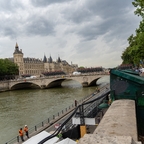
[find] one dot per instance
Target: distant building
(33, 66)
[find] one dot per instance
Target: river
(32, 106)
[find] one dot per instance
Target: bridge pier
(43, 86)
(85, 84)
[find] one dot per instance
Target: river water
(30, 107)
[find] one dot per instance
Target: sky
(90, 33)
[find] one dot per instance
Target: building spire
(17, 51)
(44, 59)
(59, 60)
(16, 45)
(50, 59)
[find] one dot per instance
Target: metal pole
(35, 128)
(82, 121)
(81, 110)
(17, 138)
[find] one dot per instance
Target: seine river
(30, 107)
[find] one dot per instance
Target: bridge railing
(56, 76)
(51, 120)
(60, 76)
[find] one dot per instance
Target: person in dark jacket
(21, 134)
(26, 131)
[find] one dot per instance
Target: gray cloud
(40, 26)
(109, 8)
(9, 32)
(92, 31)
(25, 24)
(10, 5)
(44, 3)
(8, 29)
(93, 18)
(77, 14)
(83, 30)
(99, 17)
(92, 8)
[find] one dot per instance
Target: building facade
(33, 66)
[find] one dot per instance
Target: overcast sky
(89, 33)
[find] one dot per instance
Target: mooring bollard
(98, 120)
(17, 138)
(35, 128)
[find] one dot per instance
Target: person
(97, 89)
(21, 134)
(75, 103)
(26, 131)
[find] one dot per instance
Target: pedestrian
(26, 131)
(75, 103)
(97, 89)
(21, 134)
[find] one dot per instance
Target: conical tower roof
(50, 60)
(44, 59)
(59, 60)
(17, 51)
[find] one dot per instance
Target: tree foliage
(8, 68)
(134, 53)
(139, 4)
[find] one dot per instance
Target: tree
(139, 4)
(134, 53)
(8, 68)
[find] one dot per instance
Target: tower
(18, 59)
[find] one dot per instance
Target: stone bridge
(49, 82)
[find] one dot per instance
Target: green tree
(139, 4)
(81, 67)
(134, 53)
(8, 68)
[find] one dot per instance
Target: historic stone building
(33, 66)
(59, 65)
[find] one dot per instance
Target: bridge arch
(24, 85)
(58, 82)
(93, 82)
(55, 83)
(84, 81)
